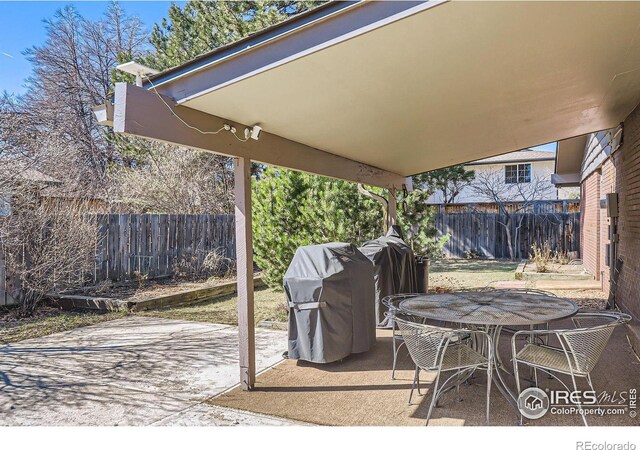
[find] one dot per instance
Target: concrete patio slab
(185, 362)
(359, 391)
(568, 284)
(36, 396)
(510, 284)
(211, 415)
(132, 371)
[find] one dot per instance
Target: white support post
(244, 258)
(392, 207)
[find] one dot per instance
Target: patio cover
(413, 86)
(394, 269)
(373, 92)
(329, 288)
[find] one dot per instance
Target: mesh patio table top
(500, 307)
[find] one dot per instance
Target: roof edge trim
(253, 40)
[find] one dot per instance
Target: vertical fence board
(154, 245)
(483, 232)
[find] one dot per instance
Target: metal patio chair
(579, 351)
(391, 302)
(435, 349)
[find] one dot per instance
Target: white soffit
(455, 83)
(569, 155)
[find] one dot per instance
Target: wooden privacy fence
(156, 245)
(557, 222)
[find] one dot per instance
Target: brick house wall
(620, 173)
(627, 164)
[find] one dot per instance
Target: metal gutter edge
(261, 37)
(512, 161)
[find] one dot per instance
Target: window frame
(519, 173)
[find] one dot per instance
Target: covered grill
(330, 292)
(394, 269)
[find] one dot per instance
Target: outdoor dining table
(492, 310)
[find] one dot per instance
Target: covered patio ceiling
(409, 87)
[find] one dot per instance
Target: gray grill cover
(330, 292)
(395, 270)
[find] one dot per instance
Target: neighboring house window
(517, 173)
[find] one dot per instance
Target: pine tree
(202, 26)
(291, 209)
(278, 200)
(449, 181)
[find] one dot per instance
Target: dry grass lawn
(461, 274)
(48, 321)
(446, 275)
(269, 305)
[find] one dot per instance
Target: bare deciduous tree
(176, 180)
(72, 71)
(511, 199)
(48, 246)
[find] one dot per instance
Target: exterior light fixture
(255, 132)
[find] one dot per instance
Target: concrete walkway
(132, 371)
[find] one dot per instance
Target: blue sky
(21, 27)
(551, 147)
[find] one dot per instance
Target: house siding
(590, 223)
(539, 169)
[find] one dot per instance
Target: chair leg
(415, 382)
(489, 373)
(395, 353)
(395, 358)
(589, 381)
(591, 386)
(434, 398)
(575, 389)
(516, 374)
